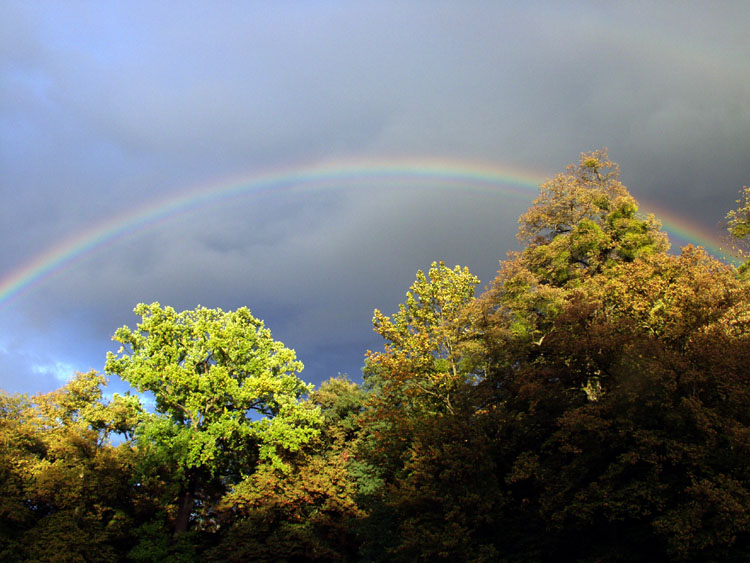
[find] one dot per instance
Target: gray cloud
(106, 110)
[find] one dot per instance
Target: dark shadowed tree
(617, 379)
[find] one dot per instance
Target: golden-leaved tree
(617, 381)
(65, 491)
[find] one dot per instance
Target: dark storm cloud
(106, 109)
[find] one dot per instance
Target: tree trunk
(185, 506)
(183, 513)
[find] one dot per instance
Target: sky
(305, 159)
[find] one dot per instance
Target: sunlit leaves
(64, 487)
(226, 394)
(422, 357)
(739, 219)
(631, 401)
(307, 510)
(209, 370)
(739, 230)
(591, 405)
(583, 221)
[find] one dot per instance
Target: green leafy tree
(423, 360)
(739, 219)
(420, 374)
(739, 229)
(583, 221)
(227, 398)
(308, 513)
(419, 388)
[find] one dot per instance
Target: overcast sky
(107, 108)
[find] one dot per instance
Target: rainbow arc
(442, 174)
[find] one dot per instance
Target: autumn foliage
(593, 404)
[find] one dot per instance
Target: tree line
(593, 404)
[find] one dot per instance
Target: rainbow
(691, 233)
(412, 172)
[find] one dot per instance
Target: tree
(308, 513)
(739, 219)
(585, 220)
(65, 490)
(422, 357)
(630, 419)
(739, 229)
(227, 398)
(417, 424)
(617, 383)
(583, 223)
(418, 376)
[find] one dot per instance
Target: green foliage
(227, 395)
(422, 361)
(306, 513)
(618, 414)
(739, 230)
(591, 405)
(739, 219)
(208, 370)
(341, 402)
(584, 221)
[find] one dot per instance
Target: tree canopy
(592, 404)
(226, 397)
(739, 229)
